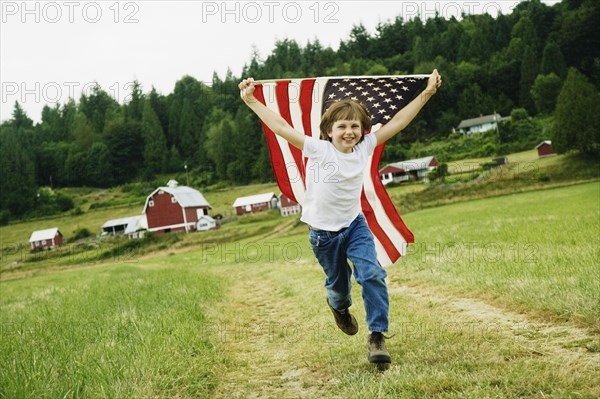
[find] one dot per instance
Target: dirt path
(273, 349)
(265, 338)
(545, 339)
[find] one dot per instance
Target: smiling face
(345, 134)
(344, 124)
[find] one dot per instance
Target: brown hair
(346, 109)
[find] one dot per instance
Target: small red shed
(46, 239)
(544, 149)
(287, 206)
(174, 208)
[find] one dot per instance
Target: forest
(537, 62)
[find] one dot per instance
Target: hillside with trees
(539, 61)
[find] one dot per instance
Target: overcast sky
(52, 50)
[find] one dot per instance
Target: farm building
(544, 149)
(205, 223)
(287, 206)
(255, 203)
(132, 226)
(46, 239)
(414, 169)
(478, 125)
(174, 208)
(125, 225)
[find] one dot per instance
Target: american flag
(301, 103)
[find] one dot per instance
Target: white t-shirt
(333, 182)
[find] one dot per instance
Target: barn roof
(131, 223)
(120, 221)
(187, 197)
(47, 234)
(542, 143)
(479, 121)
(253, 199)
(412, 164)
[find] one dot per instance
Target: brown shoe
(344, 320)
(378, 352)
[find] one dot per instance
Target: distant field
(537, 250)
(497, 298)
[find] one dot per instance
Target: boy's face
(345, 134)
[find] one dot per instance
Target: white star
(404, 88)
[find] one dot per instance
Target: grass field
(497, 299)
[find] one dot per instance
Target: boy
(337, 229)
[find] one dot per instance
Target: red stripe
(306, 104)
(277, 160)
(376, 229)
(283, 102)
(385, 200)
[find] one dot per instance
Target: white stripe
(317, 101)
(382, 218)
(290, 164)
(296, 116)
(382, 256)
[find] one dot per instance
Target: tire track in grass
(265, 354)
(261, 359)
(566, 343)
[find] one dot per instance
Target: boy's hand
(434, 82)
(247, 87)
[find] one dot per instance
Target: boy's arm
(275, 122)
(408, 113)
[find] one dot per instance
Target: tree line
(545, 60)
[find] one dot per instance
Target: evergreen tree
(577, 116)
(135, 106)
(529, 71)
(544, 92)
(98, 173)
(218, 140)
(155, 143)
(96, 107)
(553, 60)
(16, 168)
(125, 145)
(19, 119)
(75, 170)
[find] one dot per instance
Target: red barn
(287, 206)
(49, 238)
(414, 169)
(174, 208)
(255, 203)
(545, 149)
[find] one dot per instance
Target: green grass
(116, 331)
(536, 251)
(241, 313)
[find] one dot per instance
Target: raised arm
(408, 113)
(275, 122)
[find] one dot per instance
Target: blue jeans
(333, 249)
